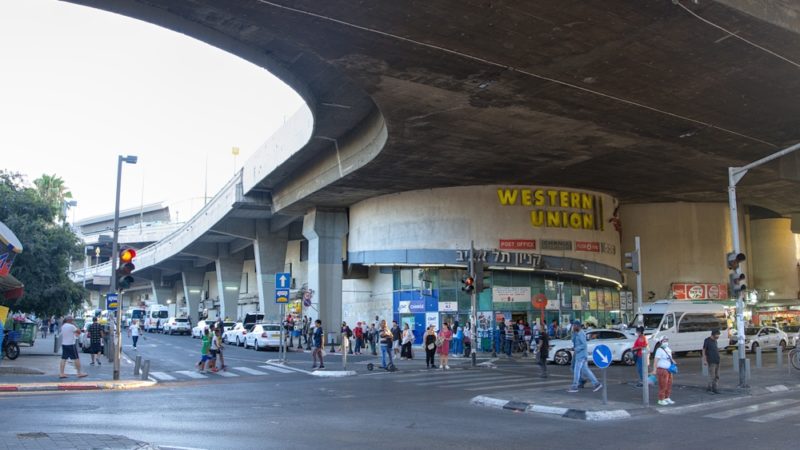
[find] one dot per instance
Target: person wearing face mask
(662, 364)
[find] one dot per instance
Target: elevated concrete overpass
(648, 101)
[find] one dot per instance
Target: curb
(110, 385)
(569, 413)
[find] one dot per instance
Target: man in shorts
(95, 332)
(68, 350)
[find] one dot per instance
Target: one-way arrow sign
(283, 280)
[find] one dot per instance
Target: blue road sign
(282, 283)
(602, 356)
(112, 302)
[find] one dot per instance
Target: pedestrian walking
(205, 351)
(347, 334)
(316, 350)
(396, 337)
(288, 326)
(510, 339)
(543, 347)
(711, 359)
(134, 332)
(662, 365)
(500, 342)
(69, 332)
(310, 331)
(95, 331)
(387, 340)
(429, 339)
(43, 326)
(304, 332)
(581, 358)
(443, 345)
(220, 346)
(408, 341)
(638, 347)
(372, 338)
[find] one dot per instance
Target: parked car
(618, 341)
(197, 331)
(755, 337)
(793, 333)
(175, 325)
(263, 335)
(236, 334)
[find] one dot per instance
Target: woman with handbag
(429, 339)
(665, 367)
(407, 341)
(443, 344)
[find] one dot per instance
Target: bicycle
(794, 358)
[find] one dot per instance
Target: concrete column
(325, 231)
(270, 255)
(192, 288)
(229, 280)
(160, 293)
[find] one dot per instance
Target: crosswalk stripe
(249, 371)
(433, 377)
(537, 383)
(226, 374)
(465, 382)
(733, 412)
(277, 369)
(775, 416)
(191, 374)
(162, 376)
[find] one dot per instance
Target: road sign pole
(605, 387)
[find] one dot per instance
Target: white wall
(364, 299)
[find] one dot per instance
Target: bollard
(758, 357)
(747, 368)
(137, 364)
(779, 351)
(56, 339)
(146, 369)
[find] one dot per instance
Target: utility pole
(114, 250)
(735, 174)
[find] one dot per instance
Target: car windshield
(791, 328)
(228, 324)
(271, 327)
(751, 331)
(181, 320)
(650, 321)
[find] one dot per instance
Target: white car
(263, 335)
(236, 334)
(619, 342)
(197, 331)
(793, 332)
(179, 325)
(764, 337)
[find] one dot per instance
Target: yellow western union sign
(557, 208)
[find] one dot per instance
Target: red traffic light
(469, 281)
(127, 255)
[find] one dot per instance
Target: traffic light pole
(735, 174)
(473, 297)
(113, 281)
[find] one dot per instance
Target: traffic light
(469, 284)
(737, 278)
(481, 278)
(126, 267)
(632, 261)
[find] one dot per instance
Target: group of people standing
(211, 349)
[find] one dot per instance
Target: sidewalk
(625, 399)
(37, 367)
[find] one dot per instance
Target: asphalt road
(412, 408)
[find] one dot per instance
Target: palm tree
(52, 190)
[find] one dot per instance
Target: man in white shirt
(68, 350)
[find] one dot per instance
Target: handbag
(431, 346)
(673, 368)
(439, 340)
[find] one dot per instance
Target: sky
(80, 86)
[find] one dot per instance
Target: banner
(504, 294)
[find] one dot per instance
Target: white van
(155, 317)
(686, 323)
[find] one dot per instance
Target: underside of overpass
(647, 100)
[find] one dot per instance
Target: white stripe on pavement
(439, 375)
(277, 369)
(162, 376)
(474, 380)
(191, 374)
(537, 383)
(250, 371)
(225, 373)
(751, 409)
(776, 415)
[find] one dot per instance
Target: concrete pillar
(229, 280)
(270, 256)
(161, 293)
(325, 231)
(192, 289)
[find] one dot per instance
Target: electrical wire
(520, 71)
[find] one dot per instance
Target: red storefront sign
(582, 246)
(700, 291)
(517, 244)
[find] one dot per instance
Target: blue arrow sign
(602, 356)
(112, 302)
(283, 280)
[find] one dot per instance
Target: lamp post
(114, 250)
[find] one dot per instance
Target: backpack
(348, 332)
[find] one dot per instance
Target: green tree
(53, 191)
(48, 247)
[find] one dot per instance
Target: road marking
(249, 371)
(750, 409)
(480, 380)
(439, 375)
(294, 369)
(277, 369)
(699, 406)
(162, 376)
(224, 373)
(191, 374)
(775, 416)
(537, 383)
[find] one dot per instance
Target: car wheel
(562, 357)
(240, 344)
(754, 347)
(255, 345)
(628, 359)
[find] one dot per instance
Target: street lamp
(130, 159)
(65, 207)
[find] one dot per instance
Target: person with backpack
(359, 334)
(347, 333)
(638, 347)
